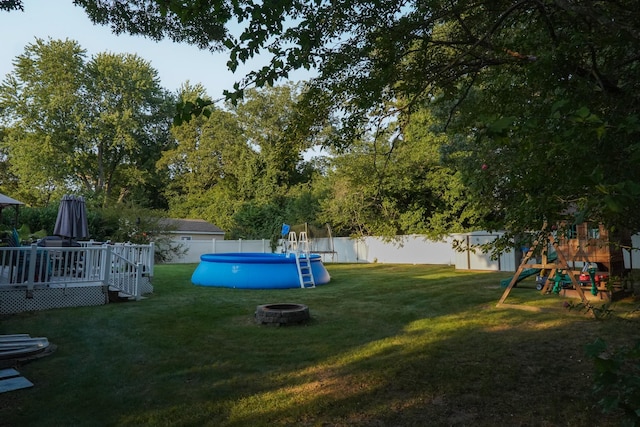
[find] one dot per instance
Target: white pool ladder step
(303, 262)
(293, 241)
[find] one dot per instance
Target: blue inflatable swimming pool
(255, 271)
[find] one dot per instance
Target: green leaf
(583, 112)
(558, 105)
(501, 125)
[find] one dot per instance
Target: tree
(552, 135)
(9, 5)
(8, 181)
(574, 62)
(393, 185)
(129, 125)
(43, 110)
(267, 118)
(195, 22)
(83, 125)
(241, 169)
(212, 167)
(283, 182)
(444, 199)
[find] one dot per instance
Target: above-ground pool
(255, 271)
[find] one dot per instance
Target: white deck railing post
(151, 261)
(32, 257)
(138, 275)
(106, 263)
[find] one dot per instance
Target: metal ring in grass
(282, 314)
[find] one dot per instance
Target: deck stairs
(300, 246)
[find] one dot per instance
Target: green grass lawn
(387, 345)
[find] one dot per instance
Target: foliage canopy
(96, 126)
(543, 92)
(535, 102)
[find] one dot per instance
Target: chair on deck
(13, 259)
(13, 240)
(8, 259)
(21, 260)
(64, 263)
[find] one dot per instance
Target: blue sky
(60, 19)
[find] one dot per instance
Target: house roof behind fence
(195, 226)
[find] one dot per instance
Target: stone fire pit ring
(282, 314)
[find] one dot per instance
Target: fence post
(240, 245)
(152, 258)
(137, 281)
(213, 245)
(33, 260)
(106, 264)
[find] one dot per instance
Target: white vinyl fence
(412, 249)
(195, 248)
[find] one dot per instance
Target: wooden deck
(41, 278)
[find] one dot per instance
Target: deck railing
(117, 265)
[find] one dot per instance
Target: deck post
(138, 294)
(33, 260)
(106, 264)
(151, 259)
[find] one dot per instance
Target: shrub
(617, 379)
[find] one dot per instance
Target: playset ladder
(303, 262)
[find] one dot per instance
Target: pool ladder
(300, 244)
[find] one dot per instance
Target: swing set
(589, 246)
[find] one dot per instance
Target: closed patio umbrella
(72, 218)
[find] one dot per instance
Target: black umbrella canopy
(72, 218)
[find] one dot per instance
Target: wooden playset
(583, 261)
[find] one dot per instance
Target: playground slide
(528, 272)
